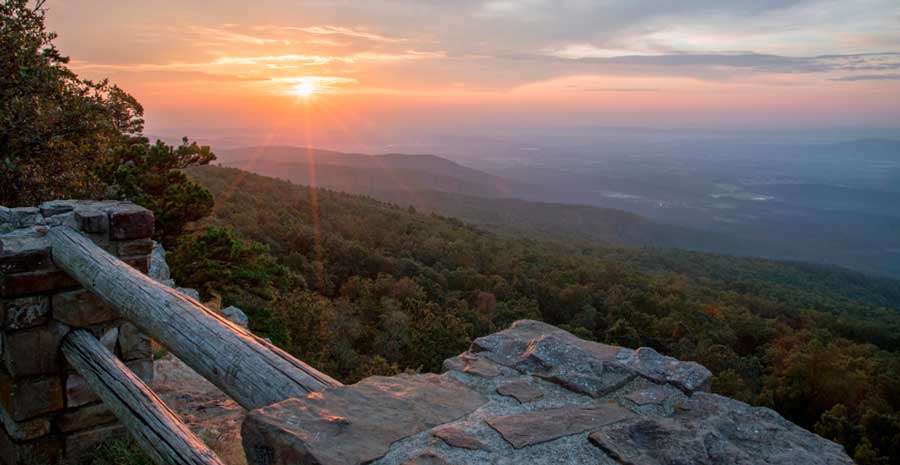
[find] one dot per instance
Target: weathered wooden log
(251, 370)
(152, 424)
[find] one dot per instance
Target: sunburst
(304, 89)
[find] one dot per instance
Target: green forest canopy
(359, 287)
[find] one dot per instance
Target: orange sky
(350, 67)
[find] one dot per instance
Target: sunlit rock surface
(533, 394)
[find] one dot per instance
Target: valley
(720, 196)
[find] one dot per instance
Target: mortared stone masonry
(48, 411)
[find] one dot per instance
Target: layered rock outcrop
(533, 394)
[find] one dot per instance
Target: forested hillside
(557, 221)
(289, 155)
(359, 287)
(438, 185)
(360, 173)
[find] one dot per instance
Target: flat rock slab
(522, 391)
(354, 424)
(473, 365)
(687, 376)
(457, 437)
(653, 395)
(715, 430)
(428, 458)
(507, 346)
(582, 366)
(593, 379)
(546, 425)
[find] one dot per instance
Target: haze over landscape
(771, 125)
(393, 72)
(372, 185)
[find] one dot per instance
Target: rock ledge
(533, 394)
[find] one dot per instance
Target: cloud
(611, 89)
(305, 60)
(191, 76)
(406, 55)
(863, 61)
(869, 77)
(227, 35)
(578, 51)
(263, 35)
(270, 61)
(312, 60)
(345, 31)
(699, 63)
(504, 44)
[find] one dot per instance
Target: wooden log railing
(249, 369)
(151, 423)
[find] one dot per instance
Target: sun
(304, 89)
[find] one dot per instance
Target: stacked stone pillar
(47, 410)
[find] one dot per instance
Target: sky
(345, 69)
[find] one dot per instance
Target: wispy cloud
(286, 61)
(285, 35)
(227, 35)
(406, 55)
(721, 61)
(305, 60)
(510, 50)
(504, 44)
(312, 60)
(579, 51)
(869, 77)
(345, 31)
(576, 88)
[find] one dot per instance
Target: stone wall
(47, 410)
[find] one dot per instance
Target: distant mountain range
(361, 173)
(436, 185)
(660, 207)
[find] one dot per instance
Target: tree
(836, 425)
(623, 334)
(216, 260)
(151, 175)
(55, 129)
(520, 309)
(303, 321)
(865, 454)
(437, 335)
(66, 137)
